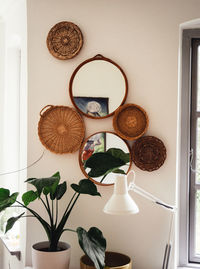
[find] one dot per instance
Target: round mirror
(98, 86)
(113, 147)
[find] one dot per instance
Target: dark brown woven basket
(130, 121)
(61, 129)
(148, 153)
(64, 40)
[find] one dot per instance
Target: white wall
(142, 36)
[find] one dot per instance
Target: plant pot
(42, 259)
(113, 260)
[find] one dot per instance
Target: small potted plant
(49, 192)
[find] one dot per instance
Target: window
(194, 200)
(10, 120)
(189, 161)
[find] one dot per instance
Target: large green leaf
(8, 201)
(4, 194)
(48, 184)
(29, 196)
(61, 189)
(118, 153)
(93, 244)
(101, 162)
(86, 186)
(11, 222)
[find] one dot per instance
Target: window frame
(185, 253)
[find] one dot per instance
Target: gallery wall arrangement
(98, 89)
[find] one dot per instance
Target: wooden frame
(81, 150)
(97, 57)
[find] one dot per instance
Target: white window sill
(11, 245)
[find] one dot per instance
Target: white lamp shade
(121, 202)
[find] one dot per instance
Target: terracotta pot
(113, 260)
(42, 259)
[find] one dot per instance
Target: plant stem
(103, 178)
(40, 219)
(70, 203)
(52, 211)
(44, 203)
(56, 213)
(65, 230)
(68, 213)
(49, 211)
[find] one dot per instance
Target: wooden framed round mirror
(97, 87)
(103, 142)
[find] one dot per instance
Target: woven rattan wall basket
(61, 129)
(148, 153)
(130, 121)
(64, 40)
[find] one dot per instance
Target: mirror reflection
(103, 142)
(98, 87)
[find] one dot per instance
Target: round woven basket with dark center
(64, 40)
(61, 129)
(148, 153)
(130, 121)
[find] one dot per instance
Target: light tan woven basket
(64, 40)
(61, 129)
(130, 121)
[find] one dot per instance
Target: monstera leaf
(6, 200)
(47, 185)
(86, 186)
(103, 163)
(93, 244)
(11, 222)
(29, 197)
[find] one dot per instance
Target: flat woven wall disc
(148, 153)
(61, 129)
(64, 40)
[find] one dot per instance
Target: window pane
(198, 152)
(197, 223)
(198, 78)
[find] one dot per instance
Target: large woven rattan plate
(130, 121)
(148, 153)
(64, 40)
(61, 129)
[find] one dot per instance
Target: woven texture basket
(130, 121)
(148, 153)
(64, 40)
(61, 129)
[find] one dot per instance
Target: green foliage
(29, 197)
(60, 191)
(11, 222)
(103, 163)
(49, 192)
(6, 200)
(93, 244)
(86, 186)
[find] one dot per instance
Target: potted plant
(101, 164)
(49, 192)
